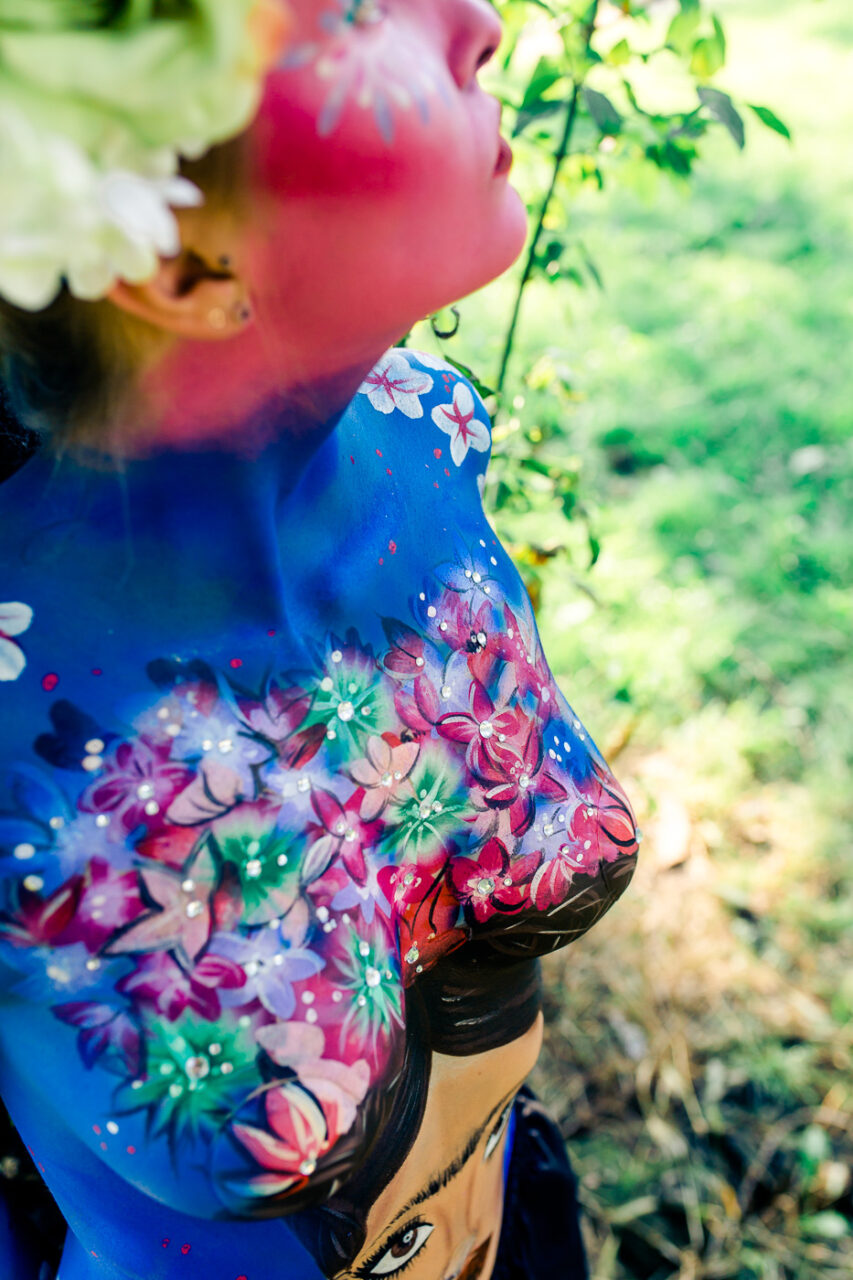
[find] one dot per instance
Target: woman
(292, 803)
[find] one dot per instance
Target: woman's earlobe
(189, 297)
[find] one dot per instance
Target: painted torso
(278, 737)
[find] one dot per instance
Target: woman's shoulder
(445, 414)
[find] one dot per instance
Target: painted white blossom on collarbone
(15, 618)
(394, 385)
(459, 421)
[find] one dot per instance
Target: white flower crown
(99, 100)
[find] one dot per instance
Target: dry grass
(693, 1058)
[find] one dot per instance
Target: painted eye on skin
(402, 1249)
(493, 1140)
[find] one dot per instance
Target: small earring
(242, 312)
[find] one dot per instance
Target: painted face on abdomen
(440, 1217)
(378, 160)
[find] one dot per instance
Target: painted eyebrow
(440, 1180)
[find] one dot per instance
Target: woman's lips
(473, 1268)
(504, 163)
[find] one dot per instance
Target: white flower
(14, 620)
(433, 362)
(63, 218)
(458, 420)
(394, 384)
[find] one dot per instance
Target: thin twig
(560, 156)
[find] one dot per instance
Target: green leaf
(682, 30)
(620, 54)
(546, 74)
(768, 117)
(828, 1225)
(709, 53)
(723, 109)
(539, 111)
(603, 112)
(478, 385)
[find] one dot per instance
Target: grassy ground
(700, 1045)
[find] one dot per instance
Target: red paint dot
(381, 560)
(236, 663)
(436, 453)
(93, 1254)
(185, 1248)
(392, 547)
(50, 681)
(103, 1146)
(96, 671)
(352, 459)
(388, 471)
(166, 1242)
(435, 484)
(446, 472)
(271, 633)
(96, 1128)
(379, 453)
(131, 1151)
(41, 1168)
(242, 1278)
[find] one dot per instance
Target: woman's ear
(190, 297)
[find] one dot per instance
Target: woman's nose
(475, 33)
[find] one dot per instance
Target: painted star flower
(459, 421)
(382, 773)
(181, 917)
(365, 898)
(367, 970)
(493, 882)
(15, 618)
(266, 859)
(351, 699)
(425, 812)
(194, 1074)
(107, 1035)
(137, 782)
(272, 960)
(339, 832)
(159, 982)
(486, 730)
(393, 385)
(516, 781)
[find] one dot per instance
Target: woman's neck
(235, 395)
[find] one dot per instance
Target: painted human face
(380, 179)
(440, 1218)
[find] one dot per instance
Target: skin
(282, 302)
(342, 241)
(460, 1198)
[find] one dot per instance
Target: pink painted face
(380, 189)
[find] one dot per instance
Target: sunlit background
(691, 418)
